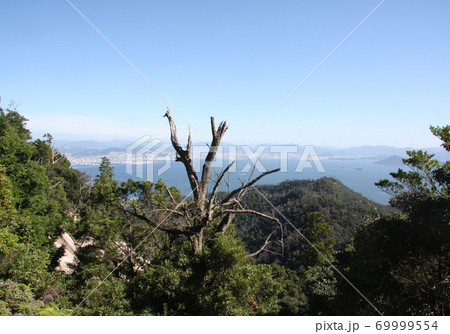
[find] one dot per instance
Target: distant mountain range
(90, 152)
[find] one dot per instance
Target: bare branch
(213, 128)
(215, 142)
(216, 185)
(274, 253)
(225, 222)
(170, 195)
(189, 143)
(204, 210)
(176, 230)
(183, 155)
(56, 184)
(252, 212)
(257, 213)
(247, 185)
(169, 210)
(253, 170)
(263, 246)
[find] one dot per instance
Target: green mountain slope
(344, 209)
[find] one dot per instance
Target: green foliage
(39, 193)
(401, 262)
(9, 247)
(317, 231)
(111, 235)
(102, 297)
(21, 264)
(320, 288)
(398, 259)
(16, 299)
(52, 311)
(6, 198)
(443, 133)
(426, 178)
(219, 281)
(39, 199)
(8, 241)
(344, 211)
(105, 188)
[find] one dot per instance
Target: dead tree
(206, 213)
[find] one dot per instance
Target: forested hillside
(344, 210)
(140, 248)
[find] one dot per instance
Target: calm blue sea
(359, 175)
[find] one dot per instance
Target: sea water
(359, 175)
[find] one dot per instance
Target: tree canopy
(142, 248)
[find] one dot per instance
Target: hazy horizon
(125, 141)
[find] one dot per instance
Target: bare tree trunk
(197, 241)
(205, 211)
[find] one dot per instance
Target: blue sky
(235, 60)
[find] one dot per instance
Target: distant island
(393, 160)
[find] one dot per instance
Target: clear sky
(235, 60)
